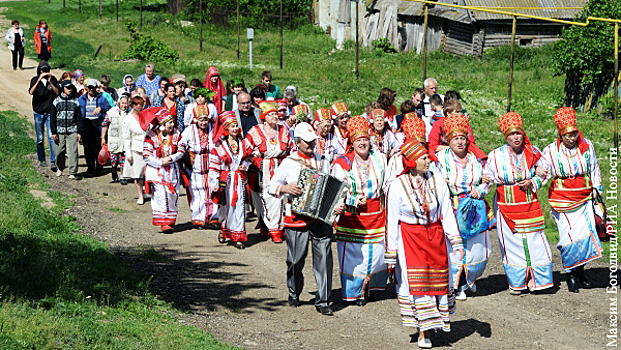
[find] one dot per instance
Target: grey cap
(91, 82)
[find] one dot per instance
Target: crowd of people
(414, 213)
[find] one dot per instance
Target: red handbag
(601, 217)
(104, 155)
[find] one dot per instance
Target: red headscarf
(217, 87)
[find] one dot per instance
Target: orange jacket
(37, 40)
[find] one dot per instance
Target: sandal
(221, 239)
(240, 245)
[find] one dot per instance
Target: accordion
(321, 193)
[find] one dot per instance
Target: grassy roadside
(63, 290)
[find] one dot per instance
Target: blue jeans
(42, 122)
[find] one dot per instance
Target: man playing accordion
(298, 227)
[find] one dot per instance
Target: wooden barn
(465, 32)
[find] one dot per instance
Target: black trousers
(18, 51)
(92, 144)
(44, 55)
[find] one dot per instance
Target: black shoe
(361, 302)
(123, 182)
(294, 302)
(43, 164)
(572, 282)
(53, 166)
(115, 176)
(586, 283)
(324, 310)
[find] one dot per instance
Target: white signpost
(250, 36)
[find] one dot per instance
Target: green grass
(119, 210)
(60, 289)
(153, 255)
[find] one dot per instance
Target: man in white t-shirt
(431, 87)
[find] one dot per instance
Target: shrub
(146, 48)
(382, 46)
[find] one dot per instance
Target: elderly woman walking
(419, 221)
(463, 172)
(360, 230)
(133, 138)
(576, 181)
(270, 144)
(525, 251)
(112, 127)
(15, 38)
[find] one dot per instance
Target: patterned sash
(520, 209)
(368, 225)
(569, 194)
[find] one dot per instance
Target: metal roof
(568, 9)
(523, 6)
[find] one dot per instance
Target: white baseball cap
(305, 132)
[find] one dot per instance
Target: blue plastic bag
(471, 217)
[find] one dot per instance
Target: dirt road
(240, 296)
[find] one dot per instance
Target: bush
(382, 46)
(146, 48)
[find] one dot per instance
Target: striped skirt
(360, 244)
(425, 299)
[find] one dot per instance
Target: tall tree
(588, 51)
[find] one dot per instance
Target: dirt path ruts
(240, 296)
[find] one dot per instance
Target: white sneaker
(72, 176)
(473, 289)
(140, 201)
(424, 343)
(461, 295)
(59, 172)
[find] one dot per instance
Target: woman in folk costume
(576, 180)
(198, 141)
(340, 115)
(463, 172)
(228, 163)
(270, 144)
(162, 150)
(360, 230)
(326, 143)
(525, 251)
(300, 113)
(419, 220)
(413, 128)
(382, 138)
(213, 82)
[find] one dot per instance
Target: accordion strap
(307, 165)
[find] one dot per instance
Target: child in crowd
(273, 92)
(231, 100)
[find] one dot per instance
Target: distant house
(462, 32)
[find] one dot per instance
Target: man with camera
(44, 89)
